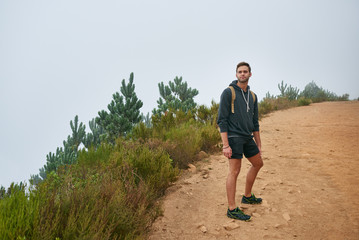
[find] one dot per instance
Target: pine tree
(291, 93)
(124, 111)
(312, 91)
(146, 120)
(96, 135)
(65, 155)
(78, 134)
(282, 88)
(176, 96)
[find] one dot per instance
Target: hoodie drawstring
(246, 100)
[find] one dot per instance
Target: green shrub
(289, 92)
(18, 210)
(264, 107)
(203, 114)
(187, 142)
(95, 157)
(141, 131)
(182, 135)
(283, 103)
(208, 115)
(268, 105)
(304, 101)
(210, 137)
(171, 119)
(110, 193)
(344, 97)
(318, 94)
(153, 166)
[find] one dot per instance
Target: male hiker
(238, 120)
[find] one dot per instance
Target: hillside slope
(309, 183)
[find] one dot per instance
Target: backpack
(234, 97)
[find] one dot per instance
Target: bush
(203, 114)
(153, 166)
(182, 135)
(184, 142)
(264, 107)
(17, 212)
(318, 94)
(171, 119)
(208, 115)
(110, 193)
(210, 137)
(304, 101)
(291, 93)
(141, 132)
(187, 141)
(268, 105)
(344, 97)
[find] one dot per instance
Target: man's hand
(227, 152)
(257, 139)
(260, 150)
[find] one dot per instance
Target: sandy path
(309, 183)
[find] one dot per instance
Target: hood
(235, 86)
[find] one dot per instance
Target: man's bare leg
(234, 169)
(257, 164)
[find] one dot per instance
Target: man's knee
(235, 167)
(234, 172)
(257, 161)
(260, 163)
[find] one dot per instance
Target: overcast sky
(64, 58)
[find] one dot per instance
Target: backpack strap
(233, 97)
(254, 96)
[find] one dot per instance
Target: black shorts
(240, 146)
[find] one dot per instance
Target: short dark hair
(243, 64)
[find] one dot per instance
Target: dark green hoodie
(241, 123)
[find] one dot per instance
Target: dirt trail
(309, 183)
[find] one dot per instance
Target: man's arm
(223, 115)
(227, 150)
(224, 110)
(224, 136)
(257, 138)
(256, 135)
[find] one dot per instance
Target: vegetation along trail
(309, 183)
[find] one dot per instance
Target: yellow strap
(234, 97)
(254, 96)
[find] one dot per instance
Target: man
(237, 126)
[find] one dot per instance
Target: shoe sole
(245, 220)
(252, 203)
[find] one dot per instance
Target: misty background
(64, 58)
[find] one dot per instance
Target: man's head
(243, 64)
(243, 72)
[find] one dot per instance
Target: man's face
(243, 74)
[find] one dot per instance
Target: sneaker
(251, 200)
(237, 214)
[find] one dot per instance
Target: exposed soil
(309, 183)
